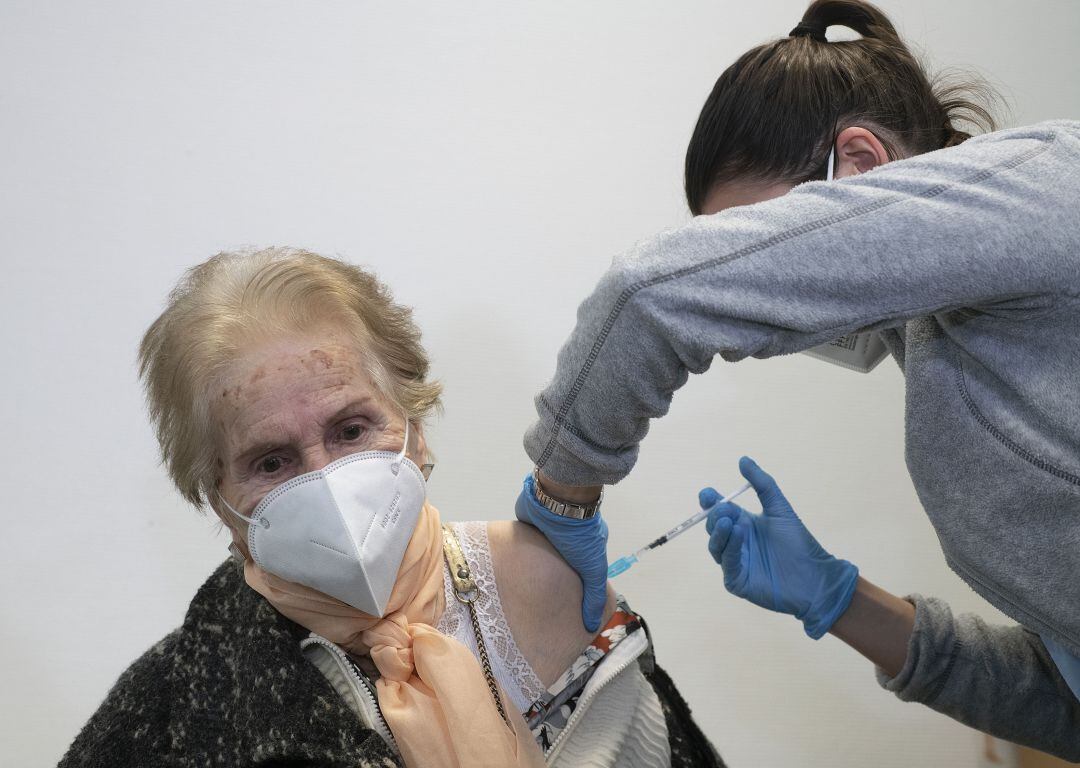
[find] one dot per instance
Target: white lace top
(508, 664)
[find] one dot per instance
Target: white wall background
(487, 159)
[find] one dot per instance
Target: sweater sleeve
(992, 220)
(131, 727)
(998, 679)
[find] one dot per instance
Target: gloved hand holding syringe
(623, 563)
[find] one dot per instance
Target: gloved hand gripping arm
(582, 544)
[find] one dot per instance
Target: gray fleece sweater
(967, 260)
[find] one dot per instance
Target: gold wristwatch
(565, 508)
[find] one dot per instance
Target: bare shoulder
(541, 597)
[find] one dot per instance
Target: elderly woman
(350, 627)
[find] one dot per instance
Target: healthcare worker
(962, 258)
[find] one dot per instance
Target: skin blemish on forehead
(320, 359)
(230, 397)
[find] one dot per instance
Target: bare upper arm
(541, 597)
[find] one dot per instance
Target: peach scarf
(432, 692)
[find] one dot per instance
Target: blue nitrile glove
(583, 545)
(772, 560)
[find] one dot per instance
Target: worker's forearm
(878, 625)
(996, 679)
(575, 494)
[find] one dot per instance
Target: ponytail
(861, 17)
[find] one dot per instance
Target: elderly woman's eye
(352, 432)
(270, 465)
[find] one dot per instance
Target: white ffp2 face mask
(857, 351)
(341, 530)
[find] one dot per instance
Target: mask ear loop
(829, 171)
(251, 520)
(396, 466)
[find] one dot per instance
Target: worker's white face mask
(857, 351)
(1068, 663)
(343, 529)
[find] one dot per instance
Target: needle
(623, 564)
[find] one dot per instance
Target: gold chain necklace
(467, 591)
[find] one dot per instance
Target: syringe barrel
(696, 518)
(690, 522)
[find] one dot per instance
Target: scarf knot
(391, 642)
(432, 692)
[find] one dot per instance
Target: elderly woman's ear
(417, 450)
(235, 527)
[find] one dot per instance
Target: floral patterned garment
(548, 715)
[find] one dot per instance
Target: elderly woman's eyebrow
(258, 449)
(366, 406)
(256, 446)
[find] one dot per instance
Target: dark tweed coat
(230, 687)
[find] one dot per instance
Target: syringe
(623, 563)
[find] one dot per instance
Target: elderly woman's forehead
(313, 353)
(288, 373)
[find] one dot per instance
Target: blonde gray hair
(235, 297)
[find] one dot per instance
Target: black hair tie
(815, 31)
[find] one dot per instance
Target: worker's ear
(857, 151)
